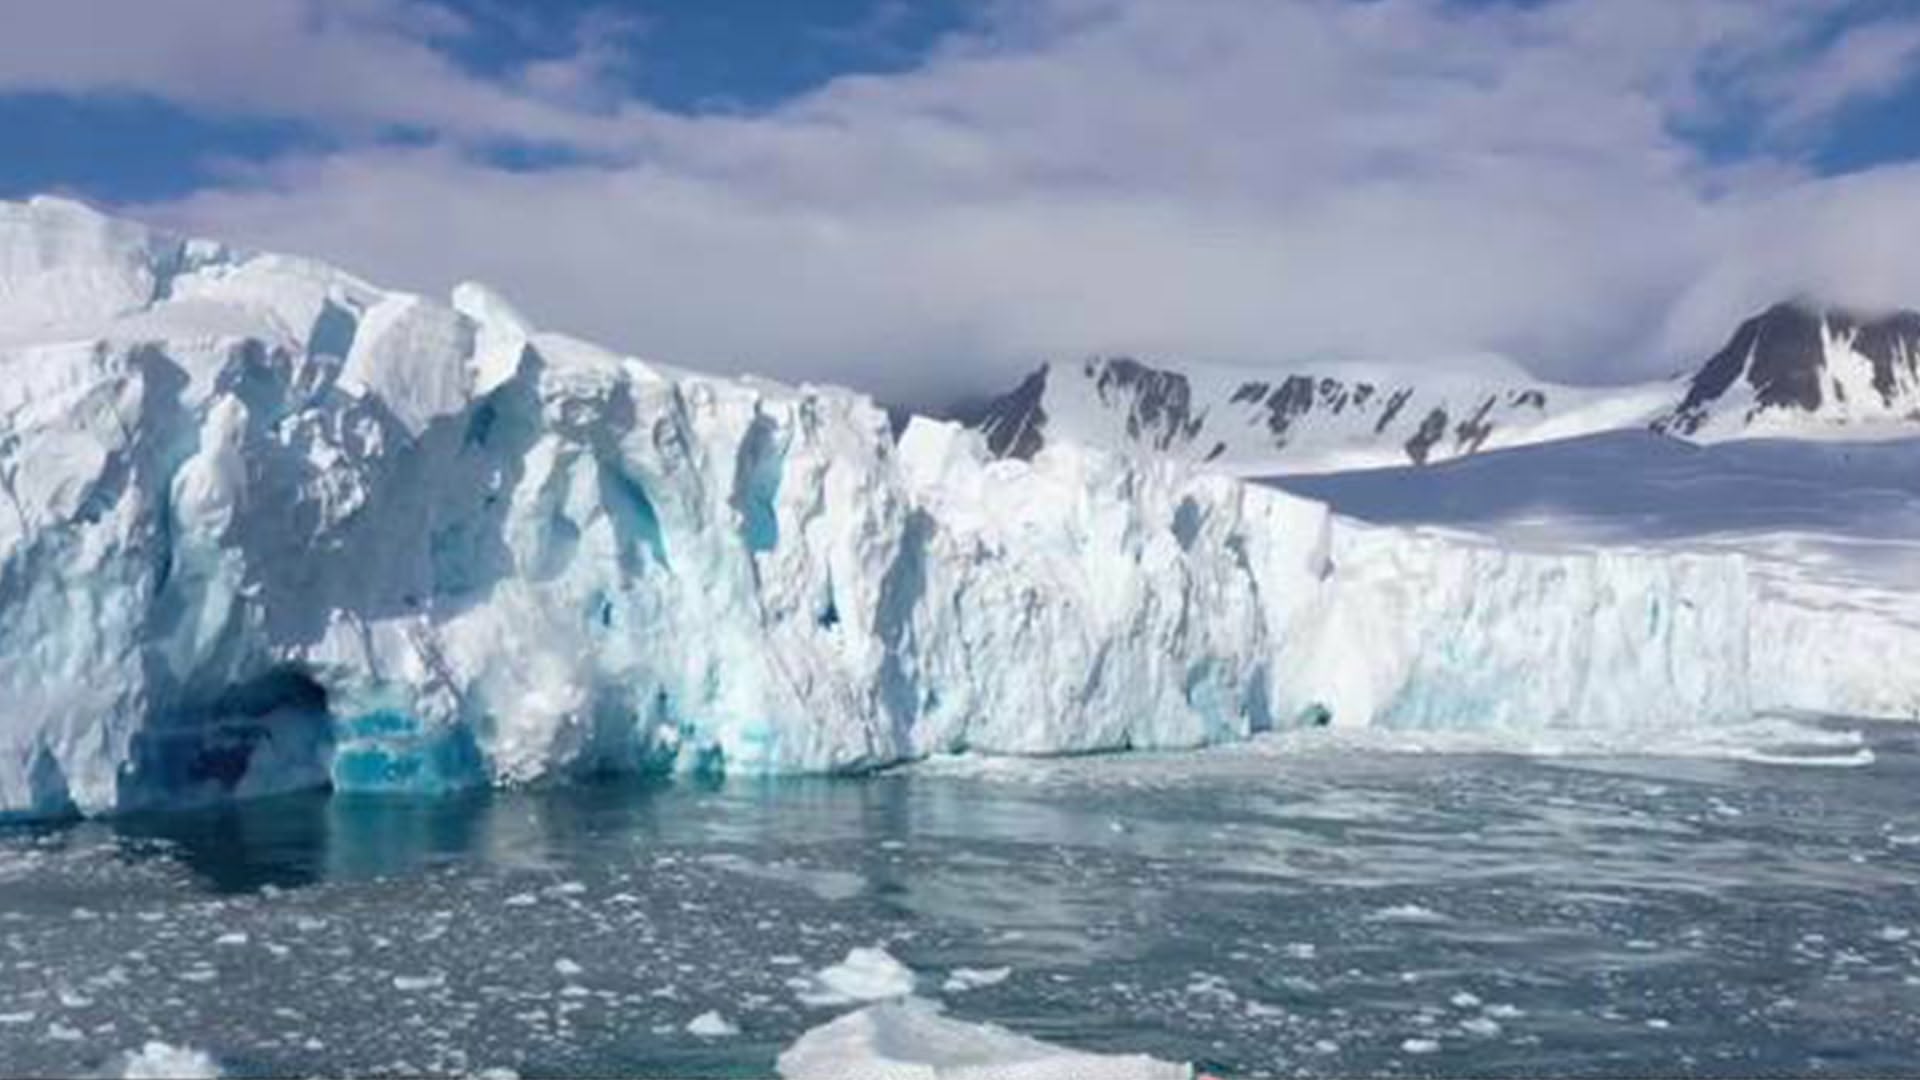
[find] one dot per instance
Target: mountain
(1798, 369)
(267, 525)
(1292, 422)
(1795, 370)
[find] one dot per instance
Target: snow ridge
(1299, 421)
(1797, 370)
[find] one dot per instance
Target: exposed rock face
(1015, 425)
(1794, 369)
(1159, 404)
(1255, 425)
(1799, 362)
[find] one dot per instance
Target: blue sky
(924, 196)
(118, 144)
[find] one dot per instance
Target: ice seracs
(268, 526)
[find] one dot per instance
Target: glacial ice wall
(268, 526)
(1418, 630)
(1835, 648)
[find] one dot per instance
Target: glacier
(269, 526)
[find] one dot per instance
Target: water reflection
(239, 848)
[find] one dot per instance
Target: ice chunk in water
(963, 979)
(162, 1061)
(711, 1025)
(912, 1040)
(865, 975)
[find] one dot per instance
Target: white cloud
(1847, 239)
(1863, 62)
(353, 65)
(1247, 180)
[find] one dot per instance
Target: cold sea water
(1307, 905)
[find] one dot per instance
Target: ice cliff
(268, 526)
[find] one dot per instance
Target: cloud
(1846, 239)
(1862, 63)
(1241, 180)
(355, 66)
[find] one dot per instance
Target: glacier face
(273, 527)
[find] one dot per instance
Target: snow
(912, 1040)
(867, 974)
(1852, 406)
(267, 526)
(161, 1061)
(1311, 416)
(1320, 417)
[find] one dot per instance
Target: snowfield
(267, 526)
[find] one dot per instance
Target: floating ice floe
(912, 1040)
(163, 1061)
(962, 979)
(867, 974)
(712, 1025)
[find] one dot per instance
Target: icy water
(1287, 909)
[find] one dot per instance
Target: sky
(924, 198)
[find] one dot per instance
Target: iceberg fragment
(164, 1061)
(913, 1040)
(867, 974)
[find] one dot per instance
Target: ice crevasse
(268, 526)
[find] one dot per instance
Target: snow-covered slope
(1252, 424)
(1802, 370)
(1796, 370)
(266, 525)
